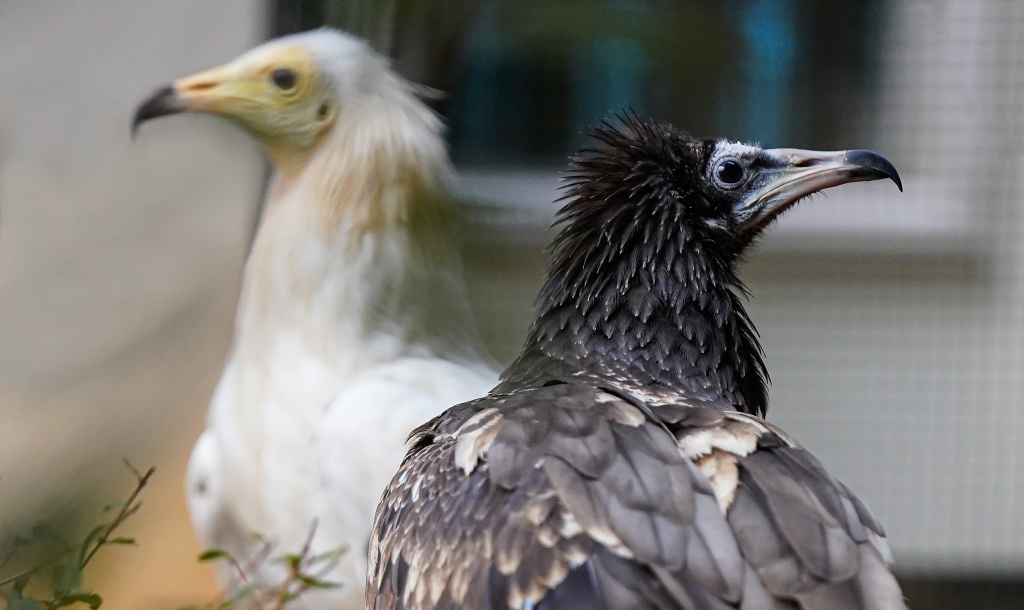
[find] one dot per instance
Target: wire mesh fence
(893, 324)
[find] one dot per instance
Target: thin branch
(296, 582)
(243, 571)
(129, 509)
(23, 574)
(92, 544)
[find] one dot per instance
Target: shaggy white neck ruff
(355, 261)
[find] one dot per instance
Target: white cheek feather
(725, 148)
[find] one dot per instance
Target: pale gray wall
(118, 259)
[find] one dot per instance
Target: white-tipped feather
(352, 328)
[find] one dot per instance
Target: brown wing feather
(570, 497)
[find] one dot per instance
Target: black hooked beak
(804, 172)
(163, 102)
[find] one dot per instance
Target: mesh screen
(902, 368)
(893, 324)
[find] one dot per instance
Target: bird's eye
(283, 78)
(729, 172)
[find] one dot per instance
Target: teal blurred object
(756, 106)
(525, 79)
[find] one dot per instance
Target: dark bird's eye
(283, 78)
(729, 172)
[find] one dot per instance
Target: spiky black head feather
(642, 291)
(641, 288)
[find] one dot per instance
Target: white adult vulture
(353, 325)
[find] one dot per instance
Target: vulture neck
(643, 306)
(355, 261)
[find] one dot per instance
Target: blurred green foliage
(45, 568)
(304, 571)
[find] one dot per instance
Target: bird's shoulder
(574, 495)
(368, 422)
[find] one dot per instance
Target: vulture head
(353, 145)
(288, 93)
(642, 284)
(721, 194)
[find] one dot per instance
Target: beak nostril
(203, 86)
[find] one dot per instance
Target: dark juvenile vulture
(623, 461)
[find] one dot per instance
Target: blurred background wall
(893, 324)
(119, 267)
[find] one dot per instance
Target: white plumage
(352, 326)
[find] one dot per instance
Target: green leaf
(16, 602)
(316, 583)
(212, 554)
(93, 600)
(244, 592)
(67, 578)
(292, 561)
(286, 596)
(332, 554)
(86, 545)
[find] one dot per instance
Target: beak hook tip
(874, 165)
(162, 102)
